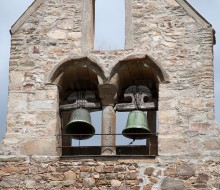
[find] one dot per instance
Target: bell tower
(163, 78)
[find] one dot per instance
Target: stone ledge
(14, 158)
(43, 159)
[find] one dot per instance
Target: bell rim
(83, 121)
(86, 137)
(139, 136)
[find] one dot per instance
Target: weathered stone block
(8, 169)
(30, 183)
(39, 147)
(42, 105)
(198, 103)
(108, 169)
(149, 171)
(96, 176)
(148, 187)
(27, 119)
(70, 175)
(168, 105)
(17, 102)
(65, 24)
(57, 34)
(98, 169)
(119, 169)
(168, 116)
(89, 182)
(185, 171)
(45, 117)
(16, 77)
(201, 126)
(52, 94)
(74, 35)
(173, 145)
(27, 64)
(84, 168)
(171, 172)
(115, 183)
(172, 184)
(202, 178)
(212, 144)
(200, 186)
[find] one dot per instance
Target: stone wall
(161, 30)
(52, 31)
(184, 48)
(179, 44)
(108, 174)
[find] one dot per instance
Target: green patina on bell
(137, 125)
(80, 125)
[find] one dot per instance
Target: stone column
(108, 94)
(152, 124)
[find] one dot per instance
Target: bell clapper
(132, 141)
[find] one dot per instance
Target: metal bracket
(137, 95)
(86, 99)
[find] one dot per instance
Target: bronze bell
(137, 125)
(80, 125)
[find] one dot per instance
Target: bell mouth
(80, 130)
(136, 133)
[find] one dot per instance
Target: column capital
(108, 94)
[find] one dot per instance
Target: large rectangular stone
(167, 117)
(168, 104)
(20, 121)
(48, 93)
(16, 77)
(45, 117)
(212, 144)
(42, 105)
(17, 102)
(175, 145)
(39, 147)
(201, 126)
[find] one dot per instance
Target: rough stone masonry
(166, 37)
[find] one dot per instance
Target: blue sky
(11, 10)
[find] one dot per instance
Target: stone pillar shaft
(108, 127)
(108, 94)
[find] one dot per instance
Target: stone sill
(108, 157)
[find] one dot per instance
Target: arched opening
(78, 81)
(139, 80)
(73, 64)
(133, 83)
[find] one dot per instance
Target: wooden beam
(87, 105)
(123, 107)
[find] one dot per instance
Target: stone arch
(77, 73)
(138, 69)
(75, 62)
(160, 75)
